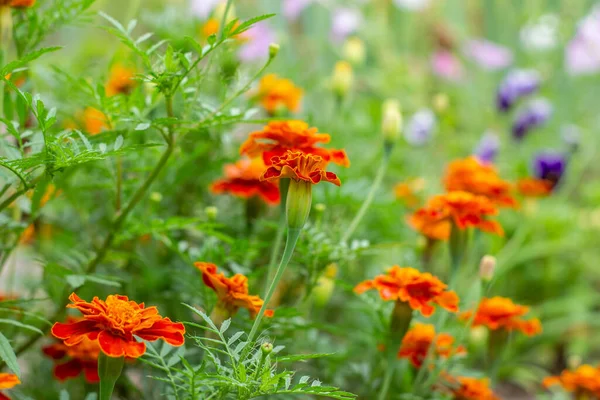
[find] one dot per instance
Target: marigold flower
(94, 121)
(462, 209)
(300, 167)
(584, 381)
(468, 388)
(71, 361)
(276, 138)
(532, 187)
(416, 343)
(469, 175)
(120, 80)
(242, 179)
(211, 27)
(18, 3)
(501, 313)
(114, 322)
(275, 93)
(232, 293)
(419, 290)
(407, 191)
(7, 381)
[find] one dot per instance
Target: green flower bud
(299, 200)
(391, 122)
(273, 50)
(266, 348)
(211, 212)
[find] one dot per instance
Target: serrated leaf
(244, 26)
(142, 126)
(118, 143)
(225, 325)
(234, 338)
(8, 355)
(20, 325)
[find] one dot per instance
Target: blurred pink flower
(203, 8)
(446, 65)
(258, 38)
(582, 55)
(488, 55)
(293, 8)
(412, 5)
(345, 21)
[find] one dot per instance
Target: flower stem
(369, 199)
(284, 185)
(109, 370)
(387, 380)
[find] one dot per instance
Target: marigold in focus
(501, 313)
(467, 388)
(72, 361)
(416, 343)
(232, 293)
(584, 381)
(300, 167)
(94, 121)
(242, 179)
(7, 381)
(470, 175)
(275, 93)
(533, 187)
(114, 322)
(419, 290)
(461, 209)
(120, 80)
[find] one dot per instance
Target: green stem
(369, 199)
(290, 244)
(109, 370)
(387, 380)
(284, 185)
(224, 19)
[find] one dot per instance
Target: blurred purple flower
(533, 115)
(345, 21)
(487, 148)
(582, 55)
(488, 55)
(412, 5)
(446, 65)
(259, 37)
(293, 8)
(517, 83)
(203, 8)
(419, 129)
(550, 165)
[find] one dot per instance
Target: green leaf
(244, 26)
(8, 355)
(225, 325)
(26, 59)
(20, 325)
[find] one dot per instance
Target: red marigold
(461, 208)
(501, 313)
(419, 290)
(584, 381)
(19, 3)
(276, 138)
(242, 179)
(533, 187)
(114, 323)
(7, 381)
(416, 343)
(470, 175)
(120, 80)
(301, 167)
(275, 93)
(232, 293)
(467, 388)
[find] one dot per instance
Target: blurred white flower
(420, 127)
(345, 21)
(542, 34)
(203, 8)
(412, 5)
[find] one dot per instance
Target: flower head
(120, 80)
(113, 323)
(532, 116)
(501, 313)
(533, 187)
(468, 388)
(416, 343)
(472, 176)
(242, 179)
(516, 84)
(94, 121)
(300, 167)
(550, 166)
(7, 381)
(584, 381)
(232, 292)
(420, 127)
(462, 209)
(18, 3)
(488, 55)
(420, 290)
(487, 148)
(278, 137)
(275, 93)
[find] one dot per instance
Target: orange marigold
(276, 138)
(470, 175)
(407, 191)
(7, 381)
(462, 209)
(501, 313)
(232, 293)
(301, 167)
(416, 343)
(584, 381)
(18, 3)
(419, 290)
(242, 179)
(120, 80)
(275, 93)
(113, 324)
(533, 187)
(211, 27)
(94, 121)
(467, 388)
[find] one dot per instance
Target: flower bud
(156, 197)
(325, 286)
(391, 123)
(266, 348)
(211, 212)
(273, 50)
(440, 102)
(299, 200)
(320, 208)
(487, 267)
(478, 335)
(342, 79)
(354, 51)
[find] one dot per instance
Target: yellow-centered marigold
(275, 93)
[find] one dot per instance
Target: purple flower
(582, 54)
(535, 114)
(550, 165)
(259, 37)
(446, 65)
(293, 8)
(203, 8)
(488, 55)
(487, 148)
(516, 84)
(345, 21)
(420, 127)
